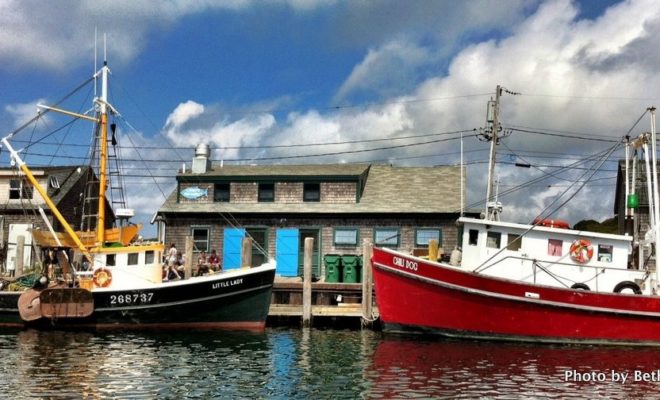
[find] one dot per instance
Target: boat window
(346, 236)
(149, 257)
(111, 260)
(554, 247)
(474, 237)
(605, 253)
(267, 192)
(493, 240)
(132, 258)
(200, 238)
(423, 236)
(221, 192)
(312, 192)
(19, 189)
(513, 242)
(386, 237)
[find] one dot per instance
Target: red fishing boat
(538, 282)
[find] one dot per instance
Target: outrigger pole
(44, 195)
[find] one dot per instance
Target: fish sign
(194, 192)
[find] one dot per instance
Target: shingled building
(338, 205)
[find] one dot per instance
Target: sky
(328, 81)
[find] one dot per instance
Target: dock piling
(307, 282)
(367, 284)
(20, 249)
(187, 268)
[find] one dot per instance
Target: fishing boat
(123, 285)
(535, 282)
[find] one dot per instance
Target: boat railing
(539, 267)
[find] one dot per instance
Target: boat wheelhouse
(548, 256)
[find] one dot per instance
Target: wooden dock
(304, 300)
(342, 300)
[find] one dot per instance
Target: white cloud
(41, 34)
(387, 70)
(183, 113)
(572, 74)
(22, 113)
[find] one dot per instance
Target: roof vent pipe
(201, 163)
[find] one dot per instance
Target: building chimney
(201, 163)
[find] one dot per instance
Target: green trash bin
(350, 267)
(332, 267)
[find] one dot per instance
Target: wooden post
(433, 250)
(367, 283)
(20, 249)
(187, 264)
(307, 282)
(246, 253)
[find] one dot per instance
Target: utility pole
(491, 208)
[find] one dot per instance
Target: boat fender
(581, 251)
(621, 286)
(580, 286)
(102, 277)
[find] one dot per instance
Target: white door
(16, 230)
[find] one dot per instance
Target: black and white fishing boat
(124, 286)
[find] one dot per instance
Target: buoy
(581, 251)
(102, 277)
(551, 223)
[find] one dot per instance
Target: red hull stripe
(485, 293)
(415, 295)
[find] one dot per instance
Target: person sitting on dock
(202, 264)
(214, 261)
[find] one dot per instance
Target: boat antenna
(96, 39)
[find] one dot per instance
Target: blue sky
(244, 75)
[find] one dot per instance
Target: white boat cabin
(551, 256)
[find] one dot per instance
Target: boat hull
(232, 300)
(415, 295)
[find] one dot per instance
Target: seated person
(202, 264)
(214, 261)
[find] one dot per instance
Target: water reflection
(405, 367)
(308, 363)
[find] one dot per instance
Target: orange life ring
(102, 277)
(581, 251)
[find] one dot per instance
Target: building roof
(279, 171)
(387, 189)
(67, 177)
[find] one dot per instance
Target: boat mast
(656, 203)
(103, 162)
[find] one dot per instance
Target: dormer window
(54, 182)
(266, 192)
(312, 192)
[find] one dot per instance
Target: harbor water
(285, 363)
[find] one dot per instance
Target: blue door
(231, 248)
(286, 252)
